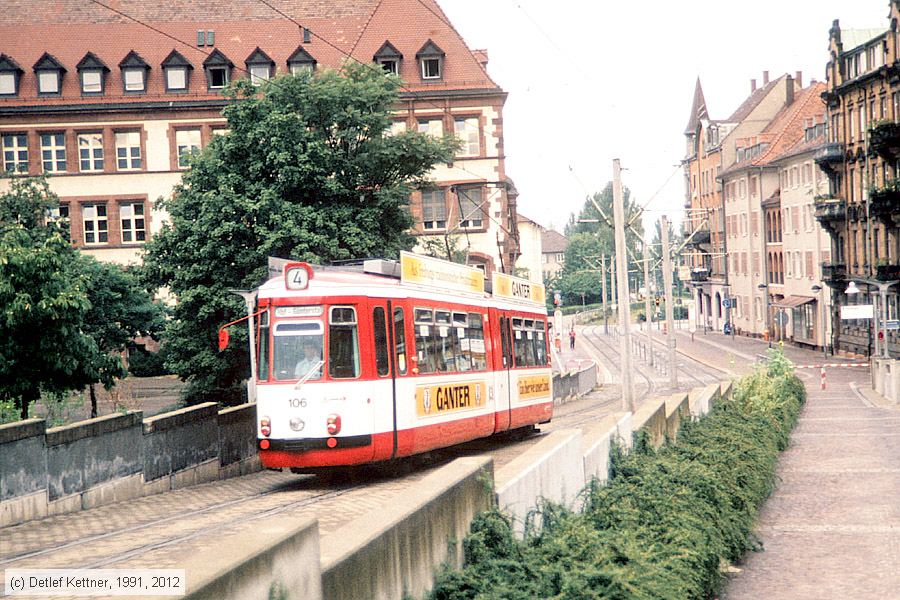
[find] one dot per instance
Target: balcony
(830, 157)
(699, 274)
(884, 139)
(884, 203)
(835, 275)
(830, 211)
(887, 272)
(699, 236)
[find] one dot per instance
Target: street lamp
(818, 289)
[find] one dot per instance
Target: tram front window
(297, 351)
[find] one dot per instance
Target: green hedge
(664, 524)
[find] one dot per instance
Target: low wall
(574, 383)
(552, 469)
(677, 409)
(651, 417)
(278, 559)
(886, 378)
(395, 551)
(119, 457)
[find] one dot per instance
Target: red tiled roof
(788, 128)
(68, 29)
(553, 241)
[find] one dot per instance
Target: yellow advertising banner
(440, 274)
(432, 400)
(532, 388)
(507, 286)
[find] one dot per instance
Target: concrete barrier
(625, 430)
(94, 462)
(181, 448)
(651, 417)
(552, 469)
(573, 384)
(278, 559)
(237, 441)
(595, 444)
(677, 408)
(395, 551)
(703, 399)
(23, 472)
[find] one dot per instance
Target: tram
(356, 366)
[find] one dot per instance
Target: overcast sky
(590, 81)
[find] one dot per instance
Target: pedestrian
(572, 339)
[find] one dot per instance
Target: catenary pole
(624, 304)
(670, 304)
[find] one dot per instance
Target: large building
(110, 100)
(862, 205)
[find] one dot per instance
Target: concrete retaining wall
(574, 384)
(119, 457)
(278, 559)
(396, 551)
(651, 417)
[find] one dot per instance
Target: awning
(792, 301)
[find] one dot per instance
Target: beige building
(553, 253)
(110, 104)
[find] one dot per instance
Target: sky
(590, 81)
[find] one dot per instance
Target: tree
(307, 171)
(43, 299)
(121, 309)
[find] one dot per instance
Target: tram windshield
(297, 350)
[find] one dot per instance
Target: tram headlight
(333, 425)
(297, 424)
(265, 426)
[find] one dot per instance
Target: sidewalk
(831, 529)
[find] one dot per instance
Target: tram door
(503, 376)
(390, 358)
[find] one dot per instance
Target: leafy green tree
(121, 309)
(307, 171)
(43, 299)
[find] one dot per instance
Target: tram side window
(262, 346)
(444, 342)
(426, 357)
(343, 343)
(523, 342)
(540, 342)
(400, 341)
(379, 324)
(472, 347)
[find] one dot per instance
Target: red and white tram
(356, 367)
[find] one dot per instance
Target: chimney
(789, 90)
(798, 77)
(481, 56)
(765, 78)
(752, 85)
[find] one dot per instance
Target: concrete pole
(648, 305)
(250, 303)
(603, 301)
(624, 304)
(670, 304)
(612, 280)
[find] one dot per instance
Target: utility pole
(648, 305)
(604, 305)
(612, 279)
(670, 304)
(624, 304)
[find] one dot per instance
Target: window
(431, 59)
(59, 213)
(48, 82)
(262, 346)
(90, 152)
(259, 74)
(560, 257)
(396, 128)
(379, 325)
(433, 127)
(10, 74)
(470, 211)
(390, 65)
(389, 58)
(15, 153)
(187, 143)
(128, 150)
(301, 61)
(400, 341)
(134, 80)
(468, 134)
(91, 82)
(260, 66)
(53, 152)
(434, 210)
(134, 228)
(297, 349)
(96, 230)
(176, 78)
(431, 68)
(343, 343)
(7, 84)
(217, 67)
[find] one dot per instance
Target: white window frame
(128, 151)
(57, 159)
(215, 69)
(95, 224)
(390, 65)
(434, 224)
(132, 84)
(8, 83)
(431, 126)
(176, 71)
(14, 154)
(95, 85)
(90, 151)
(298, 68)
(48, 81)
(133, 222)
(184, 145)
(465, 217)
(259, 74)
(436, 62)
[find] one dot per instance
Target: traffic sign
(892, 324)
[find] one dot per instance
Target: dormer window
(389, 58)
(301, 61)
(218, 70)
(260, 67)
(177, 71)
(134, 73)
(431, 61)
(49, 73)
(10, 75)
(92, 72)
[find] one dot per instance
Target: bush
(142, 363)
(665, 522)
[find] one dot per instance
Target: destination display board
(440, 274)
(516, 288)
